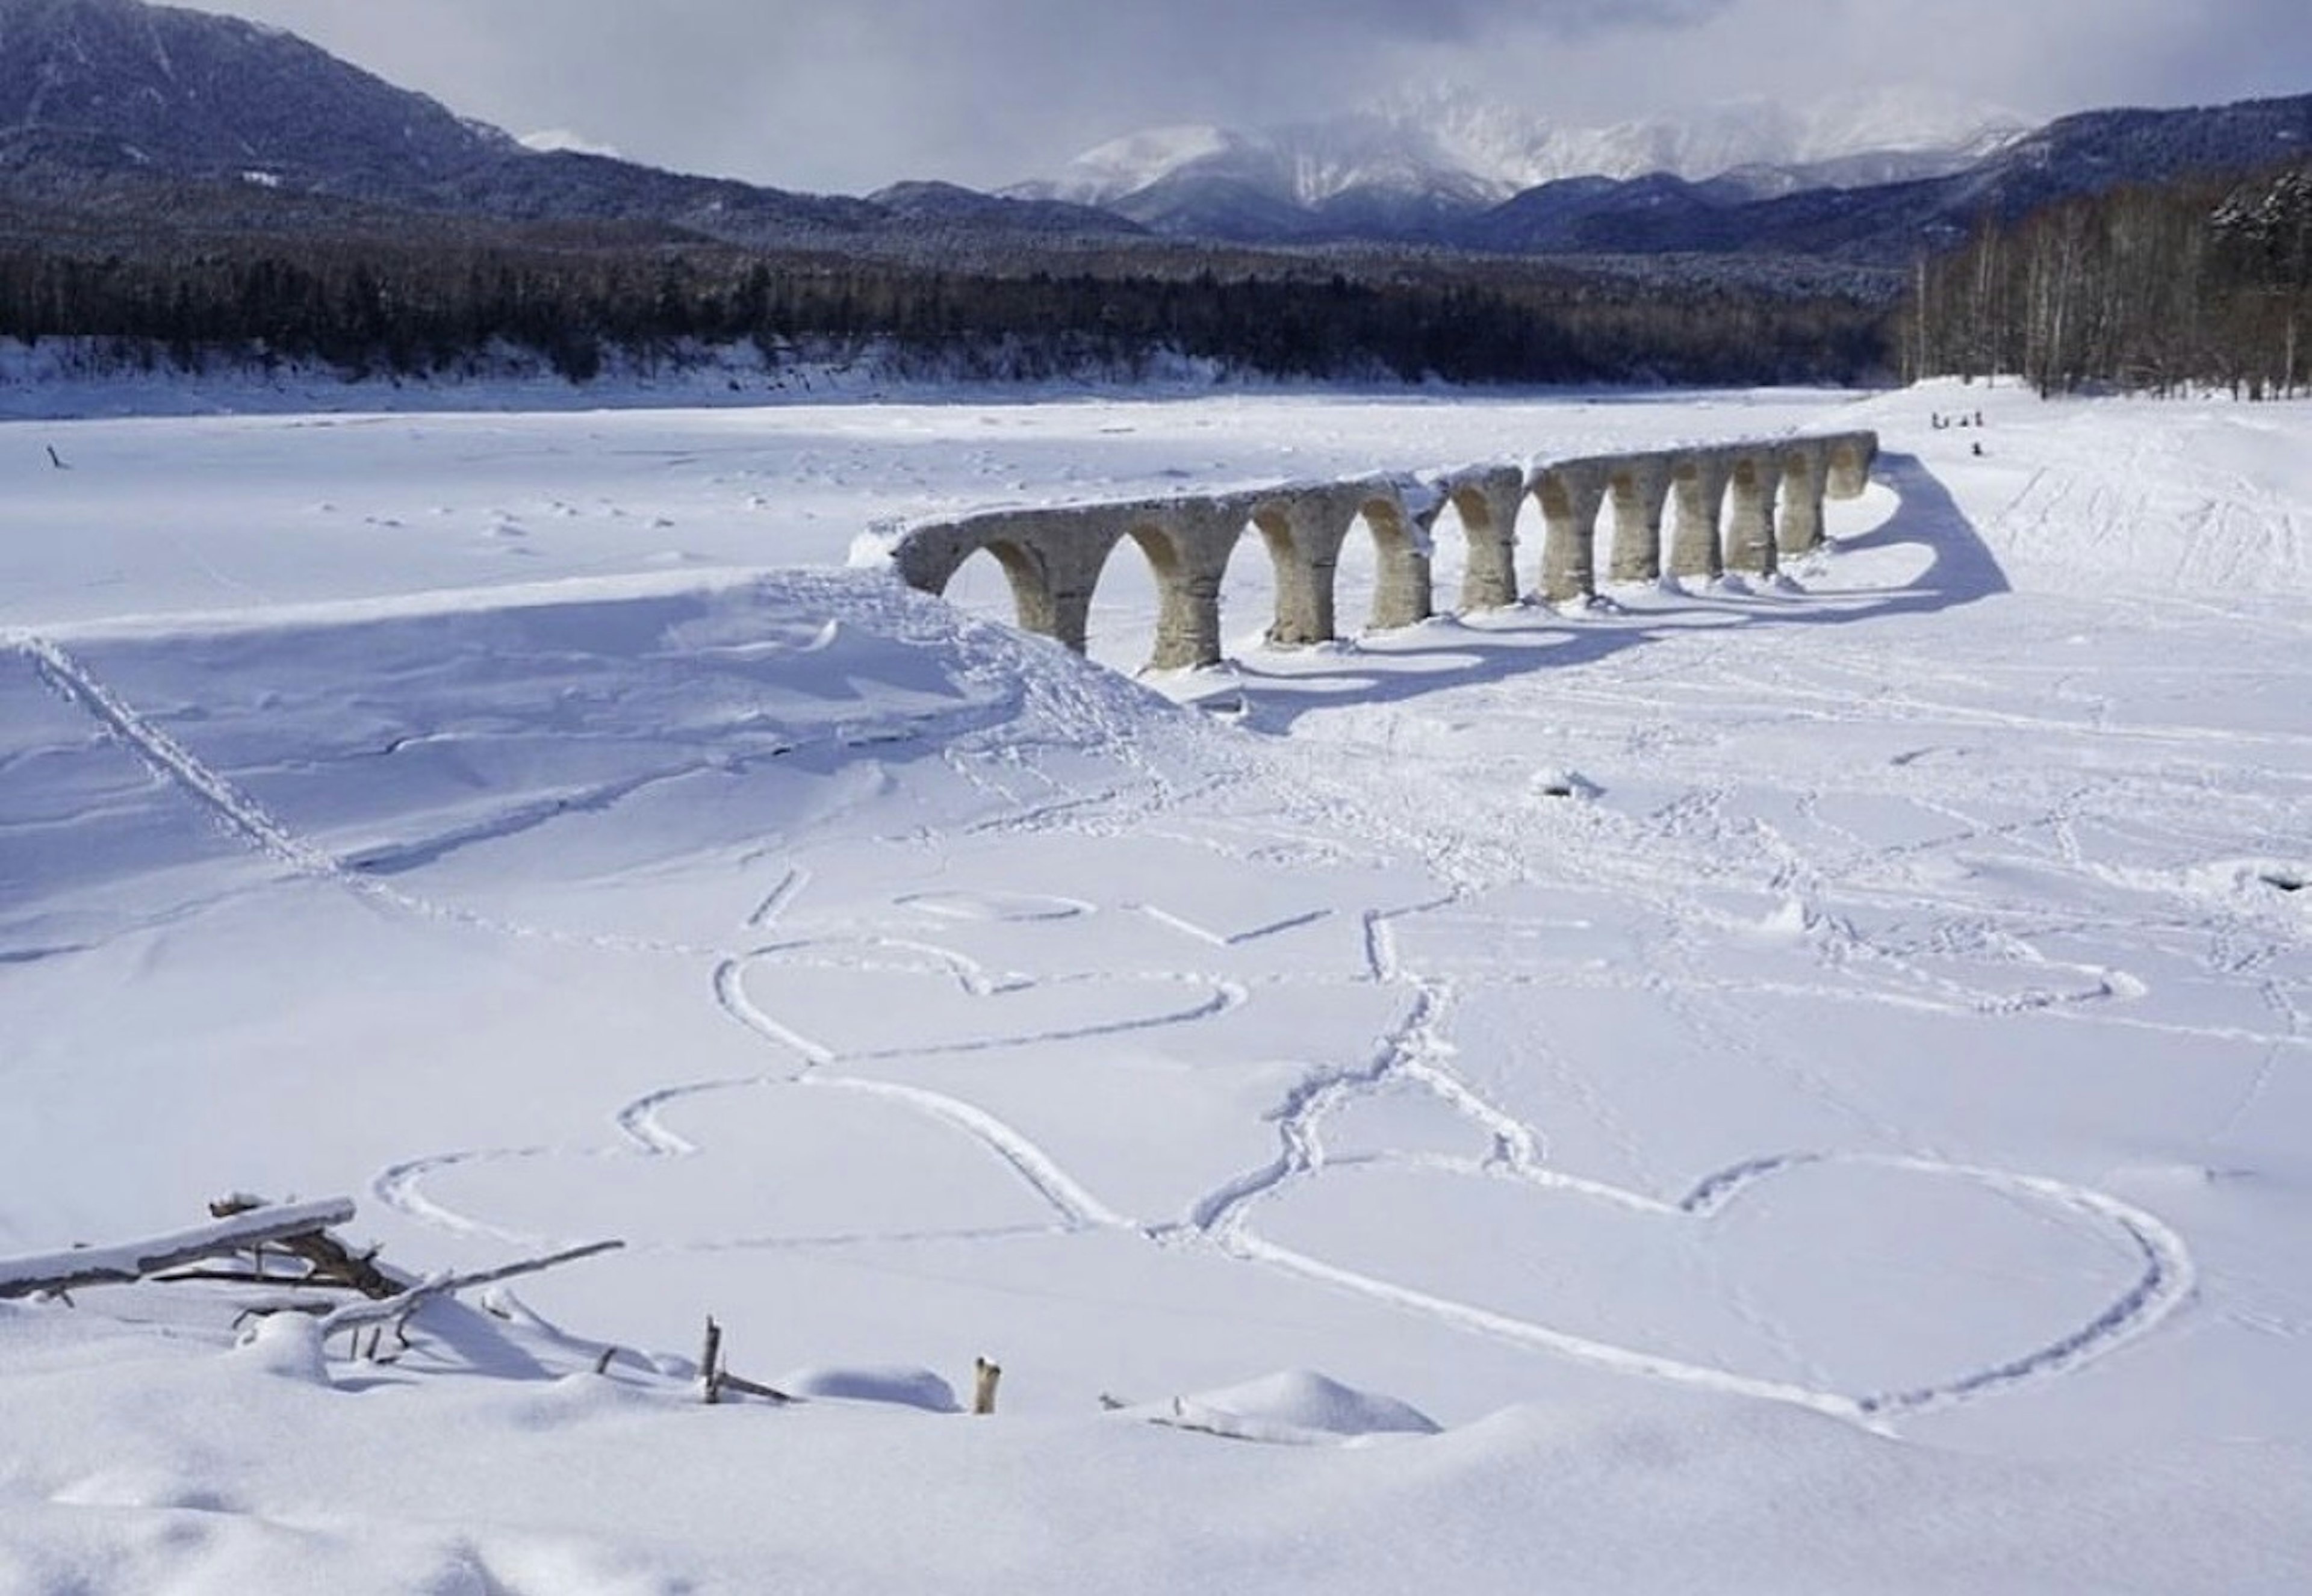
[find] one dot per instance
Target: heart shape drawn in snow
(1863, 1286)
(855, 1000)
(783, 1167)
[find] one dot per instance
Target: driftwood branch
(715, 1382)
(725, 1381)
(710, 1365)
(133, 1260)
(327, 1261)
(402, 1305)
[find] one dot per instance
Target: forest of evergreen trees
(2195, 283)
(370, 306)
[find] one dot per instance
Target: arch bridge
(1697, 511)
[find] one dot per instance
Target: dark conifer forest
(412, 305)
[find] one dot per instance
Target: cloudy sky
(846, 95)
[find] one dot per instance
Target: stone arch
(1032, 606)
(1188, 543)
(1402, 593)
(1304, 607)
(1178, 631)
(1072, 547)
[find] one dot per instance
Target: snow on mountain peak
(1446, 140)
(1125, 165)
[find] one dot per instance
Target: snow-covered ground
(1795, 1090)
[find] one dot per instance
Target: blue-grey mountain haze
(846, 95)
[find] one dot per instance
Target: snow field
(1816, 1065)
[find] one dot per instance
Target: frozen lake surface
(1800, 1087)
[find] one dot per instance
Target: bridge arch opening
(1133, 600)
(1006, 581)
(1249, 582)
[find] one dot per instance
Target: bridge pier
(1767, 498)
(1698, 486)
(1403, 592)
(1188, 542)
(1304, 529)
(1487, 500)
(1750, 514)
(1797, 530)
(1640, 492)
(1569, 496)
(1850, 457)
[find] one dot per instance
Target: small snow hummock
(288, 1345)
(1297, 1408)
(897, 1386)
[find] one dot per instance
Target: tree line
(408, 307)
(2197, 283)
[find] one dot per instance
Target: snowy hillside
(1774, 1087)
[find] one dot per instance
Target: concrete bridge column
(1304, 531)
(1640, 491)
(1488, 502)
(1698, 486)
(1068, 549)
(1187, 544)
(1850, 464)
(1403, 592)
(1569, 496)
(1799, 528)
(1750, 517)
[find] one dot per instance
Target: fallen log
(327, 1261)
(133, 1260)
(385, 1310)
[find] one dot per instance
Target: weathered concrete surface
(1741, 506)
(1486, 499)
(1304, 529)
(1569, 494)
(1804, 466)
(1188, 542)
(1639, 487)
(1697, 488)
(1749, 529)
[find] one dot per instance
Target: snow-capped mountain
(1441, 154)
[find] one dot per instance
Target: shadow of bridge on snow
(1462, 652)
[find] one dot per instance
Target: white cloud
(851, 96)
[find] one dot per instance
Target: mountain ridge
(1442, 156)
(126, 108)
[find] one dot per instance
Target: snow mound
(895, 1385)
(1296, 1407)
(288, 1345)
